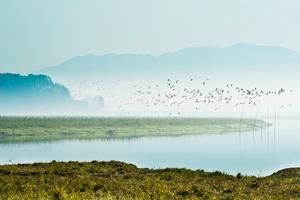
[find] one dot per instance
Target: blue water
(253, 153)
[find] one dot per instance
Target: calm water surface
(254, 153)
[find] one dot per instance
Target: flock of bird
(175, 95)
(192, 92)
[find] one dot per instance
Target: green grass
(14, 129)
(116, 180)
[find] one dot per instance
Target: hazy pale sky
(40, 33)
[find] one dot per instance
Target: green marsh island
(14, 129)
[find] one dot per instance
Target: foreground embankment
(116, 180)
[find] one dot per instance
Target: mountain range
(234, 60)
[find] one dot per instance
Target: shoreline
(29, 164)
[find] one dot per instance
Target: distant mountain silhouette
(35, 94)
(235, 59)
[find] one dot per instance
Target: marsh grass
(14, 129)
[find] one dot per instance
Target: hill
(35, 94)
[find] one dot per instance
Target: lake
(260, 152)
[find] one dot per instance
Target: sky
(41, 33)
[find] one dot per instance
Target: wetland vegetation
(117, 180)
(13, 129)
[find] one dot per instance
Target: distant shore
(22, 129)
(117, 180)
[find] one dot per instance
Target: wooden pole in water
(275, 118)
(261, 134)
(254, 126)
(242, 112)
(268, 131)
(135, 125)
(254, 123)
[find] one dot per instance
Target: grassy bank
(52, 128)
(116, 180)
